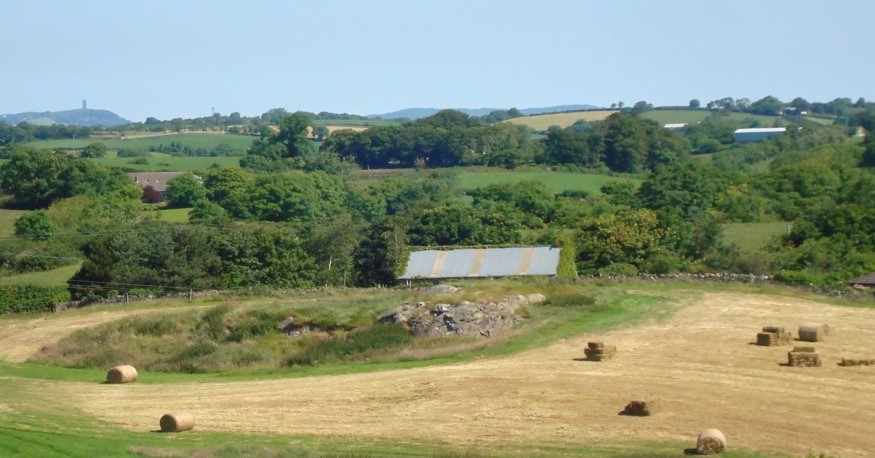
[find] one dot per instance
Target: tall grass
(361, 343)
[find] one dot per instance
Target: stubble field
(700, 363)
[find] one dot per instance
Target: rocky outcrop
(483, 319)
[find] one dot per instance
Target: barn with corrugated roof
(481, 263)
(864, 282)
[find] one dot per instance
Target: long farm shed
(481, 263)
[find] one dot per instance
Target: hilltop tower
(84, 105)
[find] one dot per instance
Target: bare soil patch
(701, 364)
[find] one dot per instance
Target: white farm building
(757, 134)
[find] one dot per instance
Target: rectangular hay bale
(600, 354)
(767, 339)
(774, 335)
(803, 359)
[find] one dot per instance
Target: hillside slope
(77, 117)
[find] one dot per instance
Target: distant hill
(416, 113)
(77, 117)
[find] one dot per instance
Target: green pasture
(752, 237)
(677, 116)
(208, 141)
(7, 221)
(556, 182)
(54, 277)
(166, 163)
(355, 122)
(174, 215)
(697, 116)
(823, 121)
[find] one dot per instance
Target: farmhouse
(864, 282)
(481, 263)
(675, 126)
(157, 180)
(757, 134)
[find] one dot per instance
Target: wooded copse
(296, 216)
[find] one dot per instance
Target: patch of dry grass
(543, 122)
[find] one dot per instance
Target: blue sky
(183, 58)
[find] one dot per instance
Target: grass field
(166, 163)
(7, 221)
(55, 277)
(543, 122)
(677, 116)
(355, 122)
(693, 117)
(208, 141)
(535, 385)
(174, 215)
(752, 237)
(556, 181)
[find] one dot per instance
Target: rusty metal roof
(864, 280)
(482, 262)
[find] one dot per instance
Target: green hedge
(31, 298)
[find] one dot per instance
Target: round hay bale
(176, 422)
(711, 441)
(813, 332)
(121, 374)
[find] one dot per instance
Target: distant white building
(675, 126)
(757, 134)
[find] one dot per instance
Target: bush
(31, 298)
(129, 153)
(621, 269)
(36, 225)
(567, 267)
(755, 264)
(803, 278)
(662, 264)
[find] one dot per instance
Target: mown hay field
(543, 122)
(700, 362)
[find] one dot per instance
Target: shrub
(31, 298)
(567, 267)
(620, 268)
(755, 264)
(804, 278)
(662, 264)
(35, 225)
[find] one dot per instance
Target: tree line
(293, 217)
